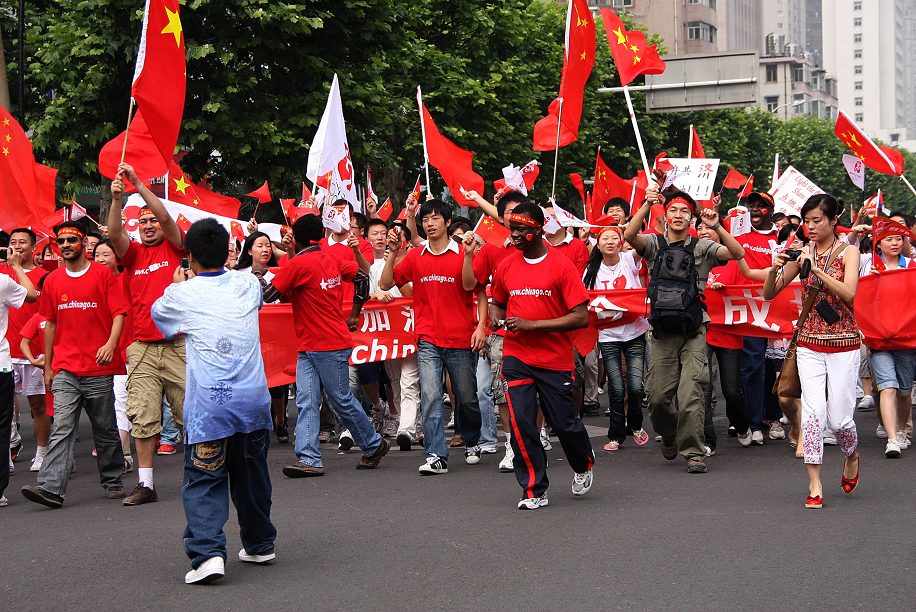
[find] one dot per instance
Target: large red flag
(24, 197)
(142, 153)
(578, 61)
(880, 159)
(159, 77)
(632, 54)
(734, 179)
(453, 163)
(183, 190)
(608, 185)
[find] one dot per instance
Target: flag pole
(423, 132)
(743, 188)
(690, 144)
(642, 151)
(908, 184)
(130, 116)
(556, 150)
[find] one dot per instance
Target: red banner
(386, 331)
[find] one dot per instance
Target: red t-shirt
(314, 282)
(487, 258)
(18, 317)
(758, 251)
(715, 336)
(444, 313)
(82, 309)
(34, 331)
(577, 253)
(345, 253)
(149, 271)
(547, 289)
(127, 336)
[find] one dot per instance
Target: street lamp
(792, 104)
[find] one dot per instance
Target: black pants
(524, 386)
(6, 420)
(730, 378)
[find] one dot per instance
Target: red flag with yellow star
(183, 223)
(24, 198)
(159, 77)
(385, 210)
(183, 190)
(607, 185)
(578, 61)
(262, 193)
(633, 56)
(880, 159)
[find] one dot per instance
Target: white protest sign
(739, 221)
(792, 190)
(695, 177)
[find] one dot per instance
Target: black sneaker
(404, 441)
(371, 462)
(590, 410)
(669, 449)
(115, 492)
(696, 465)
(301, 470)
(40, 496)
(282, 434)
(141, 495)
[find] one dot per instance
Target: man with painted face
(678, 366)
(759, 246)
(538, 296)
(157, 365)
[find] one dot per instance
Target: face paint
(529, 237)
(764, 211)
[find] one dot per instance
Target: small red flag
(306, 193)
(491, 231)
(696, 147)
(576, 179)
(294, 213)
(324, 181)
(262, 193)
(416, 189)
(285, 204)
(734, 179)
(182, 222)
(385, 211)
(632, 54)
(748, 188)
(236, 231)
(880, 159)
(661, 162)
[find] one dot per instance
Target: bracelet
(716, 226)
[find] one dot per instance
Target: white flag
(550, 223)
(334, 220)
(739, 219)
(515, 179)
(855, 169)
(331, 153)
(567, 219)
(77, 211)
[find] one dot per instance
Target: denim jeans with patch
(233, 467)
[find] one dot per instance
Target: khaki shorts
(154, 369)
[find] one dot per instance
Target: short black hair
(25, 230)
(359, 219)
(794, 218)
(512, 196)
(788, 230)
(435, 207)
(673, 192)
(779, 217)
(308, 229)
(208, 242)
(530, 209)
(375, 221)
(93, 234)
(618, 202)
(459, 223)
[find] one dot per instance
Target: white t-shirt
(628, 270)
(375, 273)
(12, 295)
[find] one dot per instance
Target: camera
(4, 253)
(793, 254)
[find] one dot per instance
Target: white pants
(120, 397)
(828, 383)
(405, 386)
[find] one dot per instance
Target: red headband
(613, 228)
(680, 200)
(882, 227)
(523, 219)
(144, 212)
(70, 231)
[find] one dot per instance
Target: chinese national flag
(183, 190)
(286, 204)
(734, 179)
(453, 163)
(696, 147)
(491, 231)
(25, 200)
(415, 193)
(236, 231)
(306, 193)
(578, 61)
(385, 211)
(324, 181)
(159, 77)
(294, 213)
(402, 216)
(262, 193)
(880, 159)
(632, 55)
(576, 179)
(182, 222)
(748, 188)
(608, 185)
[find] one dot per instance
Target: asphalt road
(648, 536)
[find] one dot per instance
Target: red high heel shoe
(814, 503)
(849, 484)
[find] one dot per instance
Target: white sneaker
(472, 455)
(451, 422)
(4, 502)
(434, 465)
(12, 467)
(545, 439)
(246, 558)
(745, 440)
(829, 440)
(36, 463)
(757, 437)
(533, 503)
(866, 404)
(892, 450)
(506, 464)
(582, 482)
(709, 452)
(210, 570)
(881, 432)
(902, 441)
(784, 420)
(776, 431)
(489, 448)
(345, 441)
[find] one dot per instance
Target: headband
(523, 219)
(882, 227)
(144, 212)
(612, 228)
(681, 200)
(71, 231)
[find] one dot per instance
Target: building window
(857, 54)
(710, 3)
(857, 38)
(857, 69)
(798, 74)
(895, 138)
(623, 3)
(772, 103)
(860, 117)
(857, 6)
(798, 103)
(772, 73)
(857, 22)
(857, 85)
(700, 30)
(859, 102)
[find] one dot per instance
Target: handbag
(788, 383)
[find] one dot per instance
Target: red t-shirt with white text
(149, 271)
(314, 282)
(576, 251)
(444, 313)
(82, 309)
(18, 317)
(758, 250)
(538, 291)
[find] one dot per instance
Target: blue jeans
(753, 373)
(328, 370)
(235, 466)
(485, 401)
(433, 362)
(170, 432)
(634, 352)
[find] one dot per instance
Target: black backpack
(676, 303)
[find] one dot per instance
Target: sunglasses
(69, 240)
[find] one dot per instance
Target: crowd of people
(159, 335)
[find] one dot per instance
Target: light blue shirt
(226, 388)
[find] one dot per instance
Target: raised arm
(386, 279)
(730, 248)
(170, 229)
